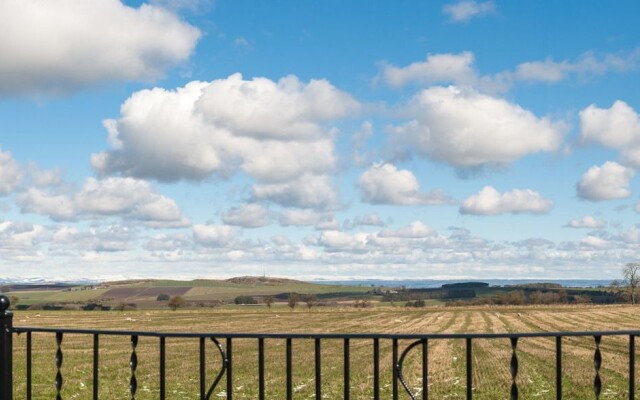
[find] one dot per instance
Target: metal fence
(223, 342)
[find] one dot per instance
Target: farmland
(446, 357)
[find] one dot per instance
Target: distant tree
(268, 301)
(176, 302)
(562, 296)
(310, 300)
(163, 297)
(120, 306)
(292, 302)
(535, 297)
(245, 300)
(631, 273)
(14, 300)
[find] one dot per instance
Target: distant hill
(261, 280)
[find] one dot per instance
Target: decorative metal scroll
(597, 362)
(59, 360)
(399, 369)
(514, 368)
(225, 363)
(133, 363)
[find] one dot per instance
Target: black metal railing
(223, 342)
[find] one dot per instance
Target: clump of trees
(176, 302)
(245, 300)
(418, 303)
(293, 300)
(163, 297)
(309, 300)
(269, 300)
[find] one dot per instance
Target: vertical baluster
(318, 370)
(469, 369)
(395, 368)
(96, 363)
(347, 377)
(59, 360)
(425, 369)
(514, 368)
(289, 371)
(203, 371)
(229, 371)
(376, 369)
(261, 368)
(597, 362)
(133, 363)
(29, 371)
(558, 367)
(632, 367)
(163, 361)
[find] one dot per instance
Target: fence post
(6, 349)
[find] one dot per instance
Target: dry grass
(446, 357)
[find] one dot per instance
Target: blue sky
(320, 139)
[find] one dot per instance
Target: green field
(446, 357)
(143, 293)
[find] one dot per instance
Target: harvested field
(136, 293)
(446, 357)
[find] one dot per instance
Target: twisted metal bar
(59, 360)
(133, 363)
(514, 368)
(399, 365)
(597, 362)
(225, 362)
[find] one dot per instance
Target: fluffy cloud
(309, 191)
(124, 197)
(617, 127)
(247, 216)
(270, 130)
(58, 46)
(586, 222)
(276, 132)
(383, 183)
(19, 235)
(57, 206)
(105, 239)
(465, 128)
(459, 69)
(607, 182)
(371, 219)
(214, 235)
(491, 202)
(437, 68)
(10, 173)
(415, 230)
(463, 11)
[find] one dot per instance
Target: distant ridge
(261, 280)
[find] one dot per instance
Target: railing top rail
(243, 335)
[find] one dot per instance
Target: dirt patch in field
(150, 292)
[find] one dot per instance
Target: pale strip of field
(491, 357)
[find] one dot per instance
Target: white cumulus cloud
(617, 127)
(383, 183)
(276, 132)
(586, 222)
(247, 216)
(58, 46)
(607, 182)
(491, 202)
(463, 11)
(465, 128)
(214, 235)
(10, 173)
